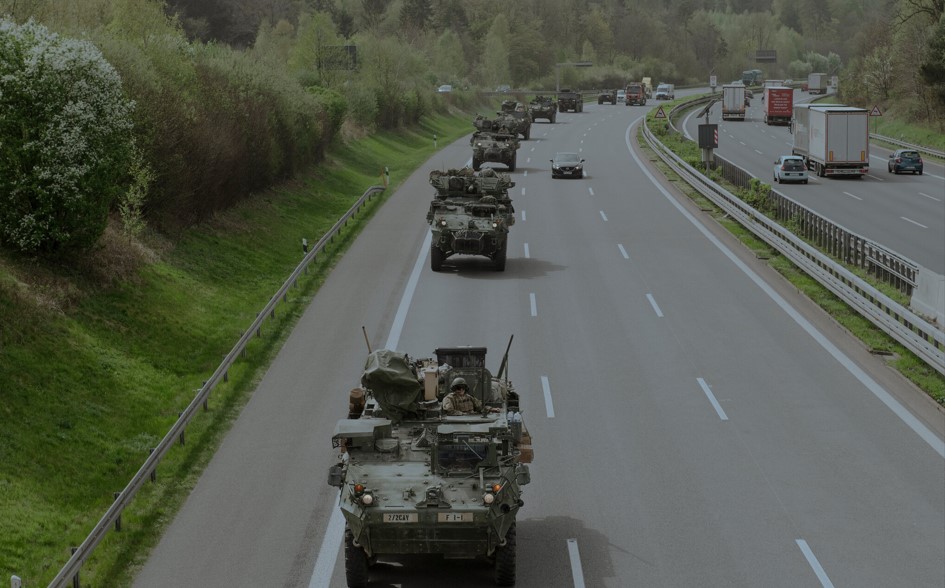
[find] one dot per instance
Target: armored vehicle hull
(494, 148)
(543, 107)
(415, 480)
(568, 100)
(470, 215)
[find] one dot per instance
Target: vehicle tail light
(898, 160)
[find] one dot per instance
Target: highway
(904, 213)
(696, 422)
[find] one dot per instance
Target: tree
(495, 55)
(933, 68)
(65, 139)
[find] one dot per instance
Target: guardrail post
(181, 437)
(15, 582)
(75, 578)
(118, 518)
(153, 474)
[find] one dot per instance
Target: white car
(790, 168)
(445, 89)
(621, 95)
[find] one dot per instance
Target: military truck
(470, 215)
(607, 96)
(414, 480)
(569, 100)
(543, 107)
(515, 117)
(494, 146)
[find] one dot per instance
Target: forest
(231, 97)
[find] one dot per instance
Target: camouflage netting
(392, 379)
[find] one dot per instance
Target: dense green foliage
(65, 139)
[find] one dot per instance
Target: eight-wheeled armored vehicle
(470, 215)
(515, 117)
(414, 480)
(496, 147)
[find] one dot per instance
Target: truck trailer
(733, 102)
(779, 105)
(817, 83)
(833, 139)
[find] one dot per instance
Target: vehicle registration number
(454, 517)
(400, 517)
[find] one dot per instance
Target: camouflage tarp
(391, 378)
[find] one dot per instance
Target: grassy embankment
(91, 377)
(877, 341)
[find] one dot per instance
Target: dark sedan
(905, 160)
(567, 165)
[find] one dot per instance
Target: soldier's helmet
(457, 382)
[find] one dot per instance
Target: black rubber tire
(600, 101)
(805, 181)
(476, 163)
(356, 563)
(528, 132)
(505, 560)
(775, 179)
(498, 262)
(436, 258)
(553, 119)
(512, 163)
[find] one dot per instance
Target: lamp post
(570, 64)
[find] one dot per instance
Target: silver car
(790, 168)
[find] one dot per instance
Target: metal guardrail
(904, 145)
(70, 572)
(915, 333)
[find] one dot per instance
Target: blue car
(905, 160)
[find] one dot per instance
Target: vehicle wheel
(920, 172)
(599, 101)
(476, 163)
(775, 179)
(356, 563)
(805, 181)
(436, 258)
(888, 169)
(552, 119)
(498, 262)
(528, 133)
(505, 560)
(512, 163)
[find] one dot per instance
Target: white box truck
(817, 83)
(833, 139)
(733, 102)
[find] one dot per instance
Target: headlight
(488, 498)
(367, 499)
(442, 222)
(495, 225)
(554, 166)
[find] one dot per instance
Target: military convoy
(515, 117)
(569, 100)
(414, 480)
(543, 107)
(470, 215)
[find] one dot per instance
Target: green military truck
(569, 100)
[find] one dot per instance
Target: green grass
(91, 377)
(877, 341)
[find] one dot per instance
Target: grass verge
(92, 377)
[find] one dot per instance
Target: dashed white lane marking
(526, 251)
(602, 215)
(523, 191)
(656, 307)
(853, 196)
(930, 197)
(523, 215)
(909, 220)
(532, 303)
(711, 397)
(525, 175)
(814, 564)
(591, 190)
(528, 160)
(623, 251)
(758, 152)
(549, 405)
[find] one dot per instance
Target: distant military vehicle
(470, 215)
(414, 480)
(515, 117)
(543, 107)
(569, 100)
(607, 96)
(497, 146)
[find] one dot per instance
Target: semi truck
(733, 102)
(817, 83)
(636, 94)
(833, 139)
(779, 105)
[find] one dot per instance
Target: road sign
(876, 111)
(659, 113)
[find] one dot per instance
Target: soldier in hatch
(458, 403)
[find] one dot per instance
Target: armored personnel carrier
(570, 100)
(543, 107)
(414, 480)
(515, 117)
(470, 215)
(498, 146)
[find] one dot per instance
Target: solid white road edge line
(334, 532)
(814, 564)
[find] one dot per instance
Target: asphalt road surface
(696, 422)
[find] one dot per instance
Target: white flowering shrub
(65, 139)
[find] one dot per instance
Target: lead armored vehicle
(543, 107)
(414, 480)
(470, 215)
